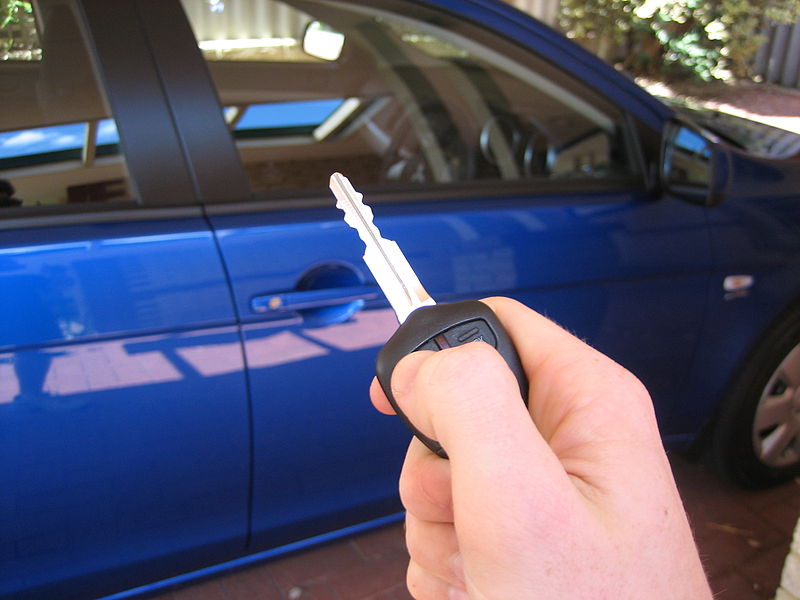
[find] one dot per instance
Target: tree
(705, 39)
(18, 40)
(602, 25)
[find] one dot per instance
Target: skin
(571, 498)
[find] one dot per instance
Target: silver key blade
(383, 257)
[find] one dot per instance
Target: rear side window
(58, 140)
(308, 88)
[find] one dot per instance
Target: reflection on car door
(122, 406)
(324, 458)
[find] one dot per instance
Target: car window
(310, 87)
(58, 140)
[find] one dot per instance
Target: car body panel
(321, 453)
(755, 232)
(123, 413)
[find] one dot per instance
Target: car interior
(311, 89)
(55, 116)
(419, 104)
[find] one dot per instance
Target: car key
(424, 325)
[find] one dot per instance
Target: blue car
(189, 331)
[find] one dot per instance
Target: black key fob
(444, 326)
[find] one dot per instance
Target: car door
(124, 432)
(501, 161)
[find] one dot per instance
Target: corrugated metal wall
(267, 19)
(544, 10)
(778, 61)
(244, 19)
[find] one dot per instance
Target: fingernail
(404, 373)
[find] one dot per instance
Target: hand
(573, 498)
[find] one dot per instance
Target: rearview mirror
(694, 166)
(321, 41)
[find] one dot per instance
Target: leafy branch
(17, 30)
(714, 39)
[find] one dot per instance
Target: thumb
(464, 396)
(468, 399)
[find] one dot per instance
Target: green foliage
(680, 28)
(598, 19)
(14, 12)
(704, 39)
(17, 30)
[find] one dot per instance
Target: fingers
(582, 405)
(435, 571)
(468, 399)
(574, 479)
(376, 393)
(379, 399)
(434, 548)
(425, 586)
(560, 367)
(425, 484)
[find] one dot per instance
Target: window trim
(64, 215)
(130, 77)
(579, 192)
(195, 111)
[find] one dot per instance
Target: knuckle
(425, 489)
(416, 545)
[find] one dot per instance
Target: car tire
(756, 440)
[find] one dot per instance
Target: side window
(58, 141)
(311, 87)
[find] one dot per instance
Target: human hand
(570, 498)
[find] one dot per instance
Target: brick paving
(743, 538)
(743, 535)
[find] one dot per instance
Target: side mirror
(321, 41)
(694, 165)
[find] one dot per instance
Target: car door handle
(311, 299)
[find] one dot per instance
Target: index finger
(379, 399)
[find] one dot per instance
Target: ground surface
(743, 537)
(767, 103)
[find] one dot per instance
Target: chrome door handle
(310, 299)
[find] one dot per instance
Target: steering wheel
(525, 142)
(406, 159)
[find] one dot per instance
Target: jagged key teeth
(357, 215)
(384, 258)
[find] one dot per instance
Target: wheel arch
(749, 367)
